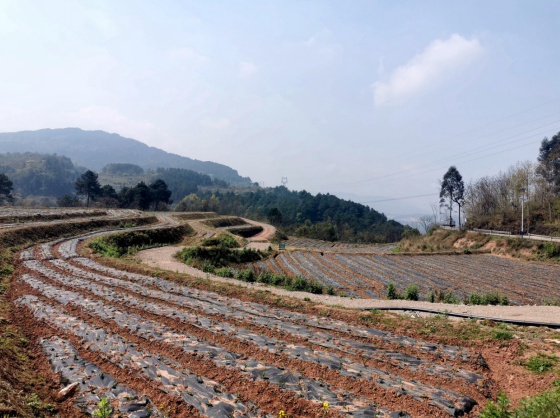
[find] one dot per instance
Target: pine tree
(88, 185)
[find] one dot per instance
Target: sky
(368, 100)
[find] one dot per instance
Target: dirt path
(266, 234)
(163, 258)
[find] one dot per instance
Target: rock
(68, 390)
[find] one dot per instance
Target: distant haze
(373, 99)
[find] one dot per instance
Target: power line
(470, 152)
(463, 162)
(400, 198)
(484, 126)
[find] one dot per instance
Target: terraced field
(154, 347)
(312, 244)
(367, 275)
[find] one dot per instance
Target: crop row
(385, 379)
(88, 380)
(158, 369)
(203, 394)
(212, 303)
(369, 275)
(305, 243)
(56, 217)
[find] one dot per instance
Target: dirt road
(267, 232)
(163, 258)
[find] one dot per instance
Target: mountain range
(96, 149)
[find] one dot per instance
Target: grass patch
(541, 363)
(117, 245)
(224, 240)
(217, 257)
(502, 335)
(543, 405)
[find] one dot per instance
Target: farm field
(157, 347)
(312, 244)
(153, 347)
(367, 275)
(13, 217)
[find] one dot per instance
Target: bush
(431, 296)
(219, 256)
(550, 249)
(117, 245)
(392, 292)
(502, 335)
(409, 233)
(330, 290)
(225, 241)
(246, 276)
(543, 405)
(489, 298)
(208, 267)
(411, 292)
(224, 272)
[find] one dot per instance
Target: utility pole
(284, 181)
(522, 200)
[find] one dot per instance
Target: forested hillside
(40, 174)
(95, 149)
(321, 216)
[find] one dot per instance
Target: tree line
(495, 201)
(321, 216)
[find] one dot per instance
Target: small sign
(282, 246)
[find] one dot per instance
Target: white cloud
(215, 124)
(187, 54)
(247, 68)
(438, 59)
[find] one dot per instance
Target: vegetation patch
(192, 216)
(117, 245)
(225, 222)
(247, 232)
(210, 258)
(224, 240)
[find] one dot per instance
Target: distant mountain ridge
(95, 149)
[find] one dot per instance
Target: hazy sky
(335, 95)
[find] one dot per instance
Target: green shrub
(431, 296)
(432, 230)
(550, 249)
(543, 405)
(409, 233)
(488, 298)
(219, 256)
(6, 270)
(246, 276)
(117, 245)
(225, 240)
(502, 335)
(208, 267)
(330, 290)
(411, 292)
(449, 298)
(224, 272)
(391, 291)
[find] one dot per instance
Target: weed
(37, 406)
(541, 363)
(502, 335)
(104, 409)
(307, 299)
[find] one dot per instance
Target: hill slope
(95, 149)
